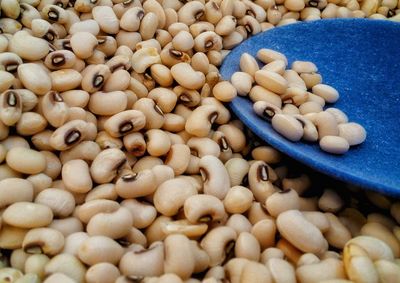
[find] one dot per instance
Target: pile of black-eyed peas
(120, 162)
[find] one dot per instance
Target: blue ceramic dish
(361, 59)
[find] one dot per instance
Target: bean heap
(302, 115)
(119, 161)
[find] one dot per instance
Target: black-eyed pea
(182, 263)
(8, 274)
(119, 80)
(10, 107)
(173, 123)
(242, 81)
(190, 13)
(58, 277)
(304, 66)
(21, 39)
(73, 242)
(267, 154)
(311, 79)
(271, 81)
(67, 226)
(135, 143)
(43, 240)
(143, 58)
(35, 264)
(319, 219)
(310, 107)
(237, 169)
(146, 163)
(234, 269)
(143, 213)
(7, 80)
(203, 146)
(294, 80)
(247, 246)
(125, 122)
(239, 223)
(70, 171)
(264, 231)
(105, 166)
(255, 272)
(106, 18)
(187, 77)
(165, 98)
(201, 119)
(251, 25)
(293, 226)
(60, 59)
(215, 176)
(224, 91)
(94, 77)
(238, 199)
(288, 126)
(158, 142)
(354, 133)
(266, 110)
(61, 202)
(142, 182)
(40, 182)
(316, 98)
(102, 272)
(11, 237)
(161, 74)
(104, 140)
(295, 95)
(97, 249)
(14, 190)
(17, 259)
(86, 150)
(130, 20)
(334, 144)
(148, 25)
(324, 270)
(277, 66)
(308, 258)
(104, 191)
(154, 116)
(259, 93)
(326, 124)
(271, 253)
(381, 232)
(114, 225)
(268, 55)
(27, 215)
(34, 78)
(75, 98)
(54, 109)
(328, 93)
(179, 189)
(337, 235)
(388, 271)
(281, 270)
(218, 243)
(25, 160)
(282, 201)
(30, 123)
(248, 64)
(203, 208)
(260, 178)
(330, 201)
(178, 158)
(83, 44)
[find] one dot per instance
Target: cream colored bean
(130, 20)
(30, 124)
(334, 144)
(224, 91)
(143, 214)
(247, 246)
(13, 190)
(94, 77)
(242, 81)
(282, 201)
(100, 249)
(255, 272)
(238, 199)
(35, 264)
(171, 195)
(54, 109)
(330, 201)
(290, 219)
(182, 263)
(327, 92)
(61, 202)
(58, 277)
(106, 164)
(21, 39)
(67, 225)
(215, 177)
(27, 215)
(353, 133)
(184, 74)
(7, 80)
(10, 107)
(76, 176)
(25, 160)
(43, 240)
(381, 232)
(203, 208)
(281, 270)
(34, 78)
(287, 126)
(113, 225)
(326, 269)
(152, 112)
(218, 243)
(265, 232)
(106, 19)
(102, 273)
(248, 64)
(148, 25)
(260, 179)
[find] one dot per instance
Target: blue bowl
(361, 59)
